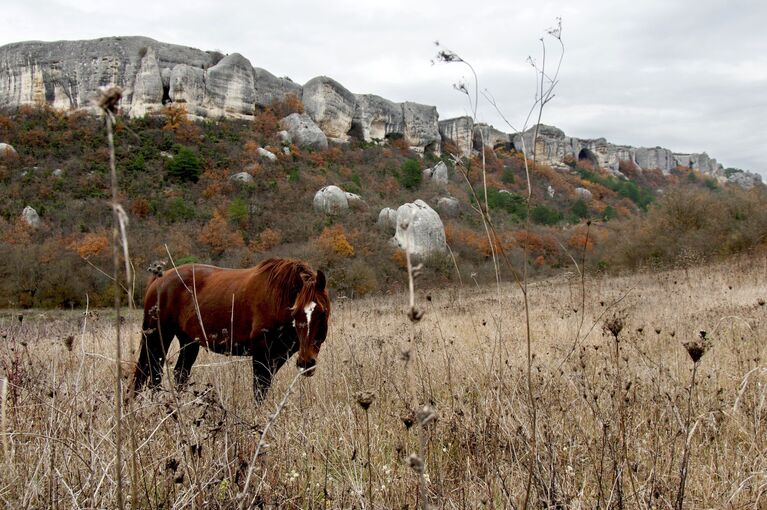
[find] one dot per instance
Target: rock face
(67, 74)
(270, 89)
(303, 131)
(421, 128)
(230, 89)
(330, 105)
(30, 216)
(331, 200)
(420, 229)
(376, 117)
(553, 148)
(460, 132)
(746, 180)
(655, 158)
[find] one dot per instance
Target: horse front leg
(262, 375)
(189, 349)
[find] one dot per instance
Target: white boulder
(30, 216)
(584, 194)
(387, 220)
(420, 229)
(303, 131)
(265, 154)
(331, 200)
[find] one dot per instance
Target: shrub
(217, 236)
(545, 216)
(579, 209)
(333, 240)
(185, 165)
(238, 212)
(411, 174)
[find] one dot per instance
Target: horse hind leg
(189, 349)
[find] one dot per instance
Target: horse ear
(320, 285)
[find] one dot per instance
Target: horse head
(311, 313)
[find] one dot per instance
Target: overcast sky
(689, 75)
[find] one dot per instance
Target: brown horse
(268, 312)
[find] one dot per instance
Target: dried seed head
(414, 314)
(416, 463)
(426, 415)
(108, 98)
(697, 348)
(364, 399)
(614, 325)
(408, 419)
(69, 342)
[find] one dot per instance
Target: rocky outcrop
(67, 74)
(655, 158)
(331, 200)
(746, 180)
(230, 89)
(420, 229)
(270, 89)
(459, 131)
(421, 127)
(330, 105)
(376, 117)
(554, 148)
(303, 131)
(355, 201)
(187, 86)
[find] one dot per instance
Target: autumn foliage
(217, 235)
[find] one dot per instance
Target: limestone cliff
(67, 74)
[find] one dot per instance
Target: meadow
(434, 413)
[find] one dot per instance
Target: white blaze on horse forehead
(308, 309)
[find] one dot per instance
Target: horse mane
(285, 283)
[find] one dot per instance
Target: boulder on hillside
(387, 220)
(330, 105)
(30, 216)
(439, 174)
(331, 200)
(583, 194)
(420, 229)
(449, 206)
(303, 131)
(242, 177)
(7, 151)
(265, 154)
(355, 201)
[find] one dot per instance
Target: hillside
(175, 185)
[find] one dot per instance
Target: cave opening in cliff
(587, 155)
(166, 94)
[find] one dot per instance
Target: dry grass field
(398, 412)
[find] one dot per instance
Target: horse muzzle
(307, 368)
